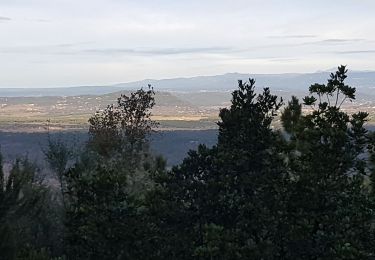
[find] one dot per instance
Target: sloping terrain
(72, 112)
(181, 103)
(289, 82)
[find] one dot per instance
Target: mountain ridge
(364, 80)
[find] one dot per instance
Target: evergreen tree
(329, 212)
(226, 202)
(20, 209)
(257, 195)
(371, 151)
(291, 116)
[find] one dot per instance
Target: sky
(56, 43)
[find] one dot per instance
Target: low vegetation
(304, 191)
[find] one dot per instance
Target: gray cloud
(38, 20)
(4, 19)
(340, 40)
(296, 36)
(283, 59)
(355, 52)
(42, 20)
(333, 41)
(43, 49)
(161, 51)
(74, 49)
(325, 42)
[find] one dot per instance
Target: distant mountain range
(296, 83)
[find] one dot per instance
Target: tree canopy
(301, 191)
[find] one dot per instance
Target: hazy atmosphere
(92, 42)
(187, 130)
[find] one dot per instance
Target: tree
(58, 155)
(291, 116)
(371, 151)
(225, 202)
(125, 127)
(329, 212)
(107, 185)
(21, 197)
(255, 177)
(260, 194)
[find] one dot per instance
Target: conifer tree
(225, 202)
(20, 206)
(329, 212)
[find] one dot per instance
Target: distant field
(31, 114)
(174, 111)
(37, 123)
(32, 124)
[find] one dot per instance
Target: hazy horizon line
(113, 84)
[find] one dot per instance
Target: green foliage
(221, 202)
(330, 214)
(248, 118)
(125, 126)
(2, 177)
(291, 116)
(21, 190)
(8, 247)
(105, 189)
(98, 213)
(331, 91)
(371, 151)
(22, 213)
(258, 194)
(58, 155)
(217, 243)
(34, 254)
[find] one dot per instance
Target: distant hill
(181, 103)
(289, 82)
(79, 105)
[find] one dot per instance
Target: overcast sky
(50, 43)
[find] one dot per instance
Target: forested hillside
(304, 191)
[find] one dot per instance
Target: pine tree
(291, 116)
(225, 202)
(329, 211)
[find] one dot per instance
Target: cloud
(282, 60)
(76, 49)
(4, 19)
(39, 20)
(355, 52)
(296, 36)
(334, 41)
(159, 51)
(42, 49)
(324, 42)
